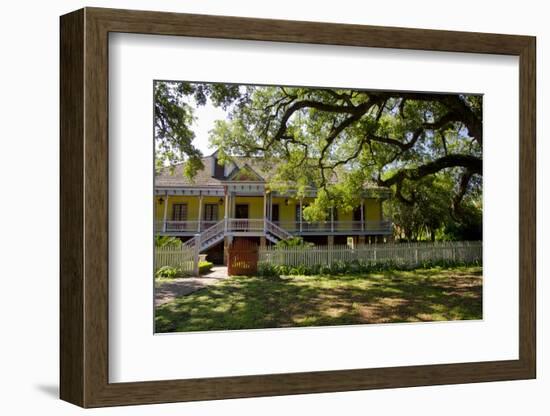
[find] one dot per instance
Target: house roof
(174, 175)
(245, 169)
(252, 169)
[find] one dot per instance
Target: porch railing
(382, 226)
(294, 227)
(172, 226)
(244, 225)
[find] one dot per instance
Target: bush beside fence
(179, 258)
(399, 255)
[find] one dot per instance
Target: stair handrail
(204, 236)
(212, 231)
(189, 243)
(274, 229)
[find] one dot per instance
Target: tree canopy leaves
(338, 140)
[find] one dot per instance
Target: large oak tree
(334, 139)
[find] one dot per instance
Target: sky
(205, 117)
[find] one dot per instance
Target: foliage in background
(174, 104)
(426, 147)
(164, 241)
(467, 223)
(432, 216)
(293, 242)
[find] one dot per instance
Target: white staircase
(217, 232)
(274, 233)
(208, 237)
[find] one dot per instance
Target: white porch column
(332, 219)
(165, 213)
(226, 209)
(301, 214)
(362, 214)
(265, 210)
(200, 213)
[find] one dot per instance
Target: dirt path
(167, 291)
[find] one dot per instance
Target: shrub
(352, 267)
(164, 241)
(267, 270)
(205, 267)
(166, 272)
(293, 242)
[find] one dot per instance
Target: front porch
(206, 217)
(256, 227)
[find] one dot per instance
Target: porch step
(272, 238)
(217, 232)
(210, 242)
(274, 233)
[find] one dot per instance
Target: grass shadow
(254, 302)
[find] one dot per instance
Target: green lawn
(394, 296)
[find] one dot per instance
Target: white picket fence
(181, 258)
(398, 253)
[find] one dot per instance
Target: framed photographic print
(256, 207)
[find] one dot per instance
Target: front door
(241, 211)
(275, 213)
(357, 218)
(357, 214)
(210, 215)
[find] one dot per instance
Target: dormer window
(218, 170)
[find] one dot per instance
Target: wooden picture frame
(84, 207)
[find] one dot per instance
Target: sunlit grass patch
(243, 302)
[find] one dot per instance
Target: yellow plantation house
(224, 202)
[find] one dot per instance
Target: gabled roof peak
(245, 173)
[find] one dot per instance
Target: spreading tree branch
(472, 163)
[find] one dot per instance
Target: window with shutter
(210, 212)
(179, 212)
